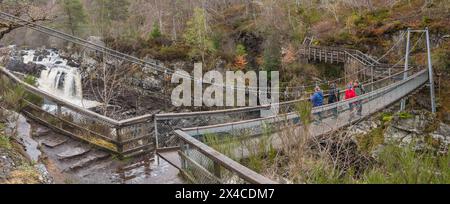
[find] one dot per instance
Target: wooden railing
(202, 164)
(126, 138)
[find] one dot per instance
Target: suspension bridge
(176, 137)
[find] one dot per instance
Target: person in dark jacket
(359, 90)
(317, 101)
(333, 97)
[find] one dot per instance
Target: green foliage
(304, 109)
(426, 20)
(225, 144)
(405, 115)
(33, 98)
(368, 143)
(396, 165)
(156, 32)
(113, 10)
(216, 41)
(354, 20)
(404, 165)
(324, 173)
(261, 152)
(31, 80)
(197, 35)
(271, 61)
(105, 12)
(4, 140)
(386, 117)
(12, 98)
(74, 16)
(376, 17)
(240, 50)
(441, 58)
(309, 15)
(172, 52)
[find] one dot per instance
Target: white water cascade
(59, 79)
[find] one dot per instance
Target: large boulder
(420, 129)
(442, 137)
(16, 64)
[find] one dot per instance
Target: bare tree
(107, 81)
(333, 7)
(21, 9)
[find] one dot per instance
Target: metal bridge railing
(165, 124)
(326, 110)
(371, 102)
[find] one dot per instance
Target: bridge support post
(217, 170)
(372, 77)
(58, 110)
(405, 75)
(119, 142)
(156, 132)
(430, 73)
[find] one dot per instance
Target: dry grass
(24, 175)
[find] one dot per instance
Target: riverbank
(19, 164)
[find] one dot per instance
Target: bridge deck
(372, 103)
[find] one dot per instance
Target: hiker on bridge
(359, 90)
(333, 97)
(317, 101)
(349, 94)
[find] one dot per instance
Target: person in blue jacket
(317, 101)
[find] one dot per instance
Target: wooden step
(53, 142)
(72, 153)
(87, 160)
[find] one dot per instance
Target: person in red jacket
(349, 94)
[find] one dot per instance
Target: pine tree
(197, 34)
(107, 11)
(272, 53)
(156, 32)
(75, 16)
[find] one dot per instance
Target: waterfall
(59, 79)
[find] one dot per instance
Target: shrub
(404, 165)
(33, 98)
(172, 53)
(304, 109)
(156, 32)
(240, 50)
(4, 140)
(441, 59)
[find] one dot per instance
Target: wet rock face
(16, 64)
(442, 136)
(420, 129)
(13, 60)
(364, 127)
(7, 164)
